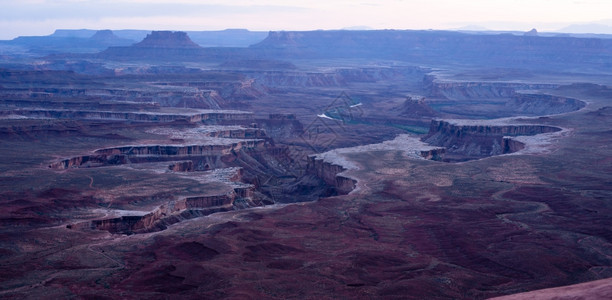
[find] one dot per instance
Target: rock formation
(159, 45)
(332, 166)
(234, 192)
(416, 107)
(436, 47)
(167, 39)
(465, 139)
(182, 166)
(598, 289)
(210, 116)
(532, 32)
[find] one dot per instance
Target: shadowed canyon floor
(304, 177)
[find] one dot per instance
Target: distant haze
(42, 17)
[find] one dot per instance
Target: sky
(42, 17)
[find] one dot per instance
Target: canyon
(326, 164)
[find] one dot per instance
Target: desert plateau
(327, 164)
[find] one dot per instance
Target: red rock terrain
(313, 179)
(599, 289)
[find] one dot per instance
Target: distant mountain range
(591, 28)
(92, 41)
(218, 38)
(433, 47)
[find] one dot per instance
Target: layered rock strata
(468, 139)
(151, 153)
(238, 195)
(333, 166)
(477, 90)
(206, 116)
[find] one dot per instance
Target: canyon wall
(470, 90)
(541, 104)
(473, 139)
(329, 171)
(152, 153)
(174, 211)
(437, 47)
(205, 117)
(182, 166)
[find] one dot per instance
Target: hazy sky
(42, 17)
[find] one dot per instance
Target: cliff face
(281, 126)
(182, 166)
(196, 89)
(183, 209)
(207, 117)
(415, 107)
(150, 153)
(167, 39)
(159, 45)
(461, 90)
(169, 213)
(448, 128)
(89, 42)
(437, 46)
(539, 104)
(332, 78)
(182, 150)
(479, 100)
(329, 171)
(229, 193)
(470, 141)
(332, 166)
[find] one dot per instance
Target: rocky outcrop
(85, 160)
(183, 209)
(437, 47)
(212, 116)
(152, 153)
(465, 139)
(541, 104)
(465, 90)
(597, 289)
(433, 154)
(510, 145)
(175, 208)
(64, 43)
(182, 166)
(99, 98)
(332, 166)
(167, 39)
(108, 38)
(532, 32)
(416, 107)
(175, 211)
(465, 127)
(478, 100)
(159, 45)
(122, 224)
(182, 150)
(281, 126)
(329, 172)
(328, 78)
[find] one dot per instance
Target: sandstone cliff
(159, 45)
(206, 153)
(231, 194)
(465, 139)
(333, 166)
(205, 116)
(438, 47)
